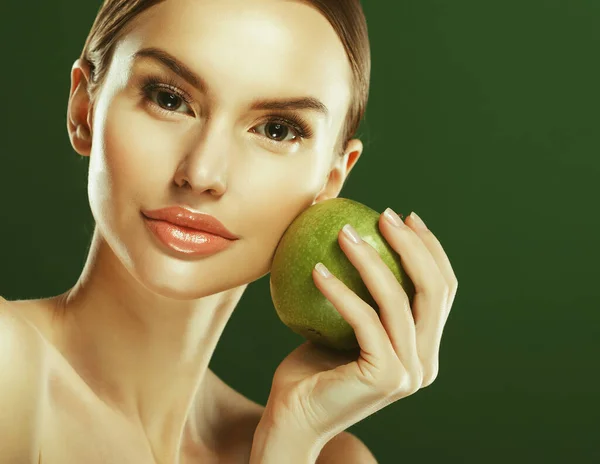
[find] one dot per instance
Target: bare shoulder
(13, 323)
(22, 386)
(346, 448)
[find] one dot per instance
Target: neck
(145, 355)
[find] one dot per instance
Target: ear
(340, 170)
(79, 110)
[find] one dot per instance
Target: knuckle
(395, 387)
(405, 385)
(396, 381)
(417, 381)
(373, 313)
(441, 287)
(429, 375)
(404, 299)
(454, 289)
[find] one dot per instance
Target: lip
(182, 217)
(188, 233)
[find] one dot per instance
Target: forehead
(266, 47)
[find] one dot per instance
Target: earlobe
(79, 108)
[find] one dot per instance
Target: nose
(200, 182)
(204, 166)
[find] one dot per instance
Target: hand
(318, 392)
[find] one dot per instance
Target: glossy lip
(180, 216)
(186, 241)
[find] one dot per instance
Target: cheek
(132, 159)
(280, 191)
(136, 152)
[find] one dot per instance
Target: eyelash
(151, 84)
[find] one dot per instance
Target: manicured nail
(351, 233)
(393, 218)
(321, 269)
(418, 221)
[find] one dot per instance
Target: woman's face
(160, 141)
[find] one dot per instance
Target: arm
(21, 389)
(272, 446)
(346, 448)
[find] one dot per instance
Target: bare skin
(79, 427)
(132, 339)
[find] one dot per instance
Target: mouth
(188, 219)
(186, 240)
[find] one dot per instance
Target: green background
(483, 118)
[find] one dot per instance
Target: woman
(244, 110)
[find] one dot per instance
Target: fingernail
(393, 218)
(321, 269)
(418, 221)
(351, 233)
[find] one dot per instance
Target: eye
(165, 95)
(169, 101)
(284, 129)
(278, 131)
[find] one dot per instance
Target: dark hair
(346, 17)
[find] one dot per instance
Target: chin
(164, 273)
(175, 278)
(185, 279)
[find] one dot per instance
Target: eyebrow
(175, 65)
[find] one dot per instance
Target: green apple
(311, 238)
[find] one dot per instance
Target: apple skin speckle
(311, 238)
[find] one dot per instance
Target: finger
(437, 251)
(394, 306)
(432, 321)
(431, 292)
(370, 334)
